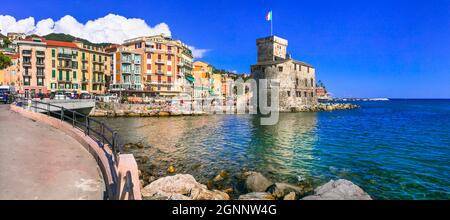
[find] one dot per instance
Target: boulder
(339, 190)
(290, 196)
(280, 190)
(256, 196)
(256, 182)
(181, 187)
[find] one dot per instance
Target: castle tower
(271, 48)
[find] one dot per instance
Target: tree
(5, 61)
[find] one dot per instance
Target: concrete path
(38, 161)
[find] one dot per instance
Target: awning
(190, 78)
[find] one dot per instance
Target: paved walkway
(38, 161)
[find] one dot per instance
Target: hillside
(70, 38)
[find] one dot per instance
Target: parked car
(85, 96)
(5, 94)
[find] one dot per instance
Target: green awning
(190, 78)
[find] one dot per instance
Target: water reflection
(204, 145)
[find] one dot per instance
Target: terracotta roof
(60, 44)
(13, 56)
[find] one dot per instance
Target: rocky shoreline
(141, 110)
(185, 187)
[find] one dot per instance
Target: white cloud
(198, 53)
(108, 29)
(10, 24)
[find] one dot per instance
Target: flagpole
(271, 26)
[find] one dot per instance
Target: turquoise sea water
(398, 149)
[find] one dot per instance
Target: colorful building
(32, 67)
(165, 65)
(47, 66)
(127, 70)
(202, 73)
(9, 75)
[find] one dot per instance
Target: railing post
(48, 109)
(62, 113)
(87, 125)
(73, 118)
(103, 134)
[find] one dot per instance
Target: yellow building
(202, 73)
(75, 67)
(9, 75)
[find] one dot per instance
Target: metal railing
(97, 130)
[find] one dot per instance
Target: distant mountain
(70, 38)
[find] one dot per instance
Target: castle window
(305, 94)
(312, 94)
(312, 82)
(308, 69)
(289, 93)
(306, 82)
(296, 81)
(280, 69)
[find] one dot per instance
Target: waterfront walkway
(38, 161)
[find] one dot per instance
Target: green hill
(70, 38)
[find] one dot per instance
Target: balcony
(40, 64)
(26, 53)
(98, 82)
(26, 63)
(63, 67)
(84, 81)
(97, 70)
(180, 64)
(84, 68)
(160, 61)
(126, 71)
(64, 81)
(159, 72)
(65, 56)
(40, 54)
(40, 75)
(84, 60)
(171, 52)
(126, 60)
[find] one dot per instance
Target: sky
(383, 48)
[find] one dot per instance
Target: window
(53, 85)
(159, 78)
(296, 81)
(169, 79)
(100, 58)
(53, 52)
(83, 56)
(159, 56)
(289, 93)
(40, 82)
(60, 75)
(149, 66)
(53, 63)
(306, 82)
(312, 94)
(169, 48)
(169, 57)
(305, 94)
(53, 74)
(280, 69)
(308, 69)
(312, 83)
(158, 46)
(67, 75)
(94, 57)
(149, 56)
(74, 74)
(169, 68)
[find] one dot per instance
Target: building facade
(166, 65)
(31, 66)
(296, 79)
(203, 83)
(47, 66)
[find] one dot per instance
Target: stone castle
(297, 79)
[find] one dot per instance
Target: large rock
(257, 196)
(256, 182)
(339, 190)
(279, 190)
(181, 187)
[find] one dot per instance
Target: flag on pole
(269, 16)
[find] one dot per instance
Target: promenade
(38, 161)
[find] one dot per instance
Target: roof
(55, 43)
(283, 61)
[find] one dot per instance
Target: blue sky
(359, 48)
